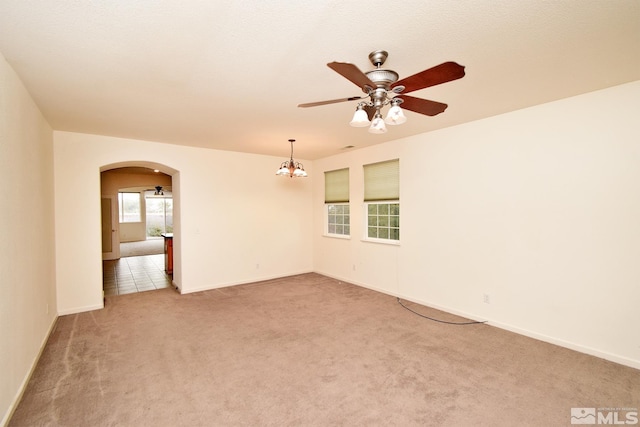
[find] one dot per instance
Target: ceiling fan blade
(332, 101)
(439, 74)
(353, 74)
(422, 106)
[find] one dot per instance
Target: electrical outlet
(257, 266)
(486, 299)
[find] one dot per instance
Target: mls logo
(611, 416)
(583, 415)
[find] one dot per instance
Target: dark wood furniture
(168, 252)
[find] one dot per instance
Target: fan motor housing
(382, 78)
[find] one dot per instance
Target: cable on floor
(440, 321)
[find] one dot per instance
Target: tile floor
(134, 274)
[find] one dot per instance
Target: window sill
(337, 236)
(382, 241)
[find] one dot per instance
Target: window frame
(327, 224)
(386, 241)
(150, 196)
(121, 212)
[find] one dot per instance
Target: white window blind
(336, 186)
(382, 181)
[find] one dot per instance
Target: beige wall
(230, 226)
(27, 258)
(539, 209)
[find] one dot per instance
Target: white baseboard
(77, 310)
(570, 345)
(241, 282)
(508, 327)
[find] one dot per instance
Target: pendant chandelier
(290, 168)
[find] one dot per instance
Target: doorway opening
(140, 201)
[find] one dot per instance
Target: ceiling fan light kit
(383, 88)
(291, 168)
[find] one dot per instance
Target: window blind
(382, 181)
(336, 186)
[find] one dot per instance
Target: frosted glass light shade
(377, 126)
(283, 171)
(360, 118)
(395, 116)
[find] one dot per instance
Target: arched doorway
(140, 213)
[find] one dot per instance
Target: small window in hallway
(129, 207)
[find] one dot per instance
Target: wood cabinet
(168, 252)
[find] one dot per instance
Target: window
(382, 201)
(129, 207)
(336, 199)
(338, 219)
(383, 221)
(159, 214)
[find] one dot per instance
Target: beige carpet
(304, 351)
(151, 246)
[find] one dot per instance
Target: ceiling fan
(158, 190)
(382, 87)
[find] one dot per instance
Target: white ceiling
(230, 74)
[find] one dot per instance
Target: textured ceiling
(230, 74)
